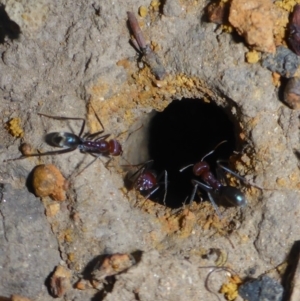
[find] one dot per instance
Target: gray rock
(28, 248)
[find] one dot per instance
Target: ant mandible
(70, 141)
(214, 186)
(146, 181)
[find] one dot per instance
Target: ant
(146, 181)
(70, 141)
(214, 186)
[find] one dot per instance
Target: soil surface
(71, 58)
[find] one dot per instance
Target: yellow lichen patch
(14, 128)
(71, 257)
(143, 11)
(287, 4)
(227, 28)
(230, 289)
(155, 5)
(252, 57)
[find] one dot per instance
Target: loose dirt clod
(48, 181)
(254, 21)
(110, 266)
(60, 281)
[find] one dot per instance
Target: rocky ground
(66, 59)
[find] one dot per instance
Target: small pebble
(292, 93)
(285, 62)
(110, 266)
(48, 181)
(261, 289)
(26, 149)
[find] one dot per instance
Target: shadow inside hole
(181, 135)
(8, 27)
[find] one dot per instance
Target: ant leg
(85, 167)
(154, 189)
(98, 118)
(67, 118)
(193, 193)
(104, 137)
(222, 167)
(147, 163)
(209, 191)
(166, 187)
(165, 182)
(67, 150)
(96, 157)
(214, 205)
(227, 169)
(91, 136)
(143, 167)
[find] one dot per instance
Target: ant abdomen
(233, 196)
(63, 139)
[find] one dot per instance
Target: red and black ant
(214, 186)
(146, 181)
(70, 141)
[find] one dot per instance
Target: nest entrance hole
(181, 135)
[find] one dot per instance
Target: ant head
(146, 181)
(115, 148)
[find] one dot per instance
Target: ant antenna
(99, 120)
(212, 151)
(208, 154)
(166, 187)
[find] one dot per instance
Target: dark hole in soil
(182, 134)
